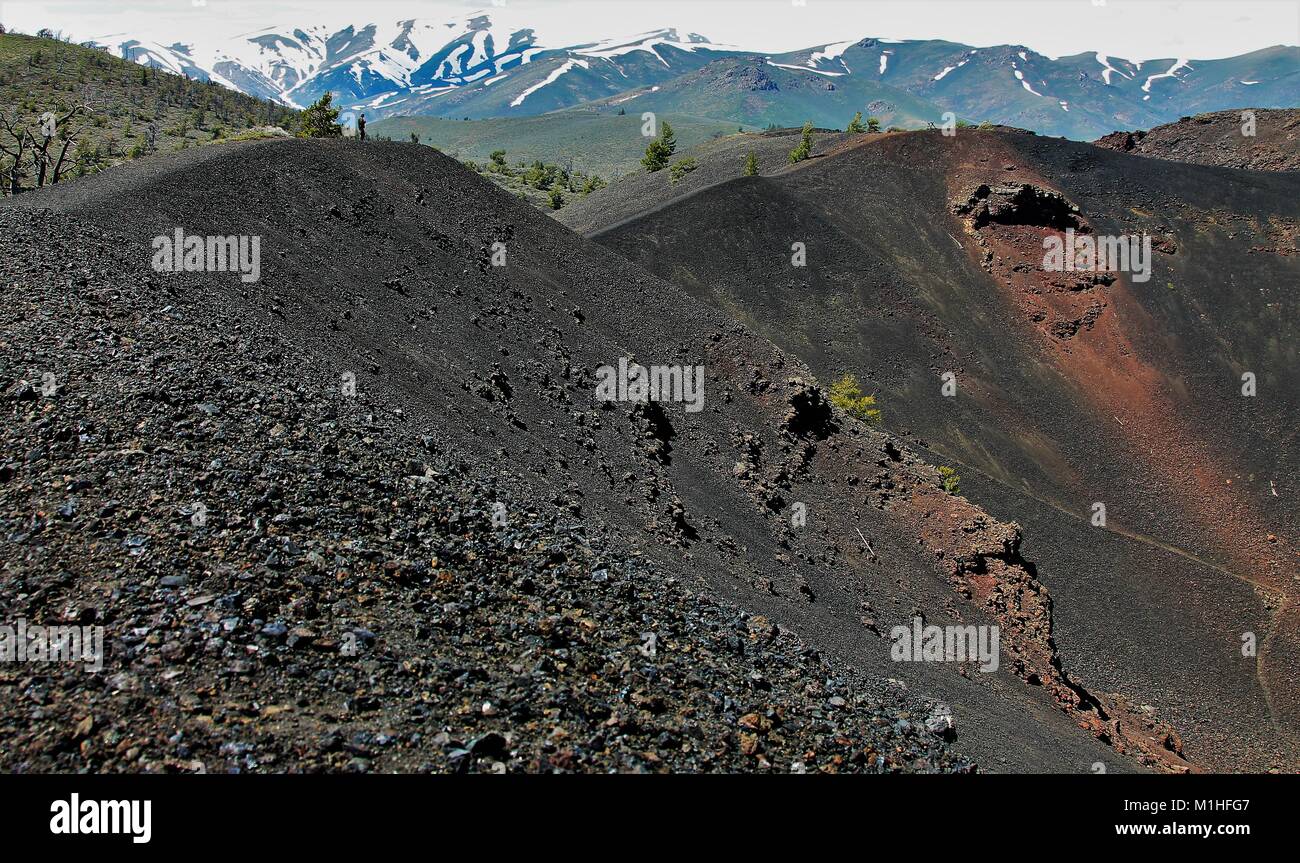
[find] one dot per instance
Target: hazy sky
(1133, 29)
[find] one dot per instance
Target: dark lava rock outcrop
(1256, 138)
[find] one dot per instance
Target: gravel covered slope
(347, 602)
(377, 265)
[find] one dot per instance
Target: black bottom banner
(142, 814)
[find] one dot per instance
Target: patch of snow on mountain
(1020, 76)
(457, 57)
(480, 50)
(1109, 70)
(647, 42)
(393, 65)
(830, 52)
(806, 69)
(948, 69)
(288, 60)
(568, 66)
(420, 39)
(152, 54)
(1146, 88)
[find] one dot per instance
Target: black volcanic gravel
(344, 600)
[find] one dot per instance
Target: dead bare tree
(52, 127)
(14, 150)
(37, 146)
(68, 140)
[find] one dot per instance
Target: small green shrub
(951, 481)
(804, 150)
(682, 167)
(846, 394)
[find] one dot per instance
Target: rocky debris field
(291, 578)
(1220, 139)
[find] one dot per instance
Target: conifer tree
(804, 150)
(320, 119)
(661, 149)
(669, 139)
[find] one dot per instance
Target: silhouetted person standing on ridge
(361, 126)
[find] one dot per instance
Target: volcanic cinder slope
(925, 255)
(497, 541)
(719, 160)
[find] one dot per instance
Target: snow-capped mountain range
(487, 65)
(366, 64)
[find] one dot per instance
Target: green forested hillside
(67, 111)
(584, 141)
